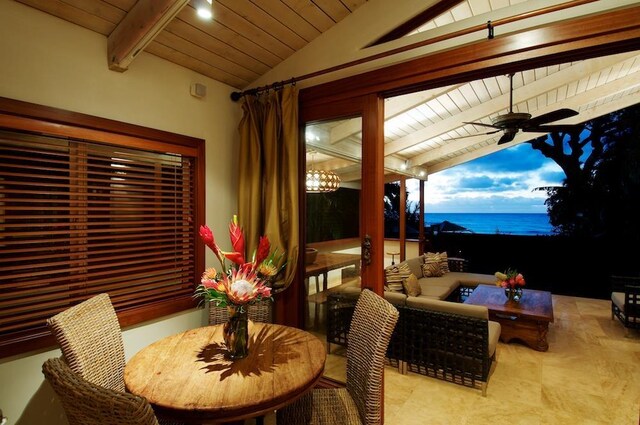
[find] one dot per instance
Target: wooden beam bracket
(145, 20)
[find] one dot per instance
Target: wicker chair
(625, 301)
(361, 401)
(91, 341)
(90, 338)
(88, 404)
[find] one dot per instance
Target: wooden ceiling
(244, 40)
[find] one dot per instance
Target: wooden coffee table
(527, 320)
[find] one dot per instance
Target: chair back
(88, 404)
(373, 322)
(91, 341)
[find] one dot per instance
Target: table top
(187, 377)
(534, 304)
(326, 261)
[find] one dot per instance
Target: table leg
(325, 278)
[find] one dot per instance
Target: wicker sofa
(447, 340)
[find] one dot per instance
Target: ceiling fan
(512, 122)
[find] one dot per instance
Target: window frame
(47, 121)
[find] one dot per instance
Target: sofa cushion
(473, 279)
(494, 336)
(411, 286)
(435, 292)
(444, 280)
(415, 265)
(395, 298)
(618, 299)
(476, 311)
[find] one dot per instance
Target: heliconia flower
(263, 250)
(236, 257)
(237, 239)
(207, 236)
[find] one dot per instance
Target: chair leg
(484, 389)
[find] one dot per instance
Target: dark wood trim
(597, 35)
(420, 19)
(421, 209)
(76, 119)
(371, 210)
(402, 231)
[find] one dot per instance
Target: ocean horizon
(528, 224)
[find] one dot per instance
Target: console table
(327, 261)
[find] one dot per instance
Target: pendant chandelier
(321, 181)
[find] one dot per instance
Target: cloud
(501, 182)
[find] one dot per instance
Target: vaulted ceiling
(424, 132)
(244, 40)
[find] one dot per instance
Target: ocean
(493, 223)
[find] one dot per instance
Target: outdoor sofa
(447, 340)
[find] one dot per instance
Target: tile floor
(590, 375)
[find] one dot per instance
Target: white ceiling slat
(478, 7)
(481, 91)
(461, 11)
(460, 101)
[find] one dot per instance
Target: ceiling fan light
(322, 181)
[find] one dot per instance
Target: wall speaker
(198, 90)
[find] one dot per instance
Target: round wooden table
(187, 377)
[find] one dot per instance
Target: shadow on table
(267, 350)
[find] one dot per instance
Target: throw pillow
(444, 262)
(411, 286)
(395, 275)
(431, 269)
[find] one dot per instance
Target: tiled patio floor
(590, 375)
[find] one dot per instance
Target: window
(80, 217)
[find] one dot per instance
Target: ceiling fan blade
(482, 124)
(507, 137)
(473, 135)
(556, 115)
(565, 128)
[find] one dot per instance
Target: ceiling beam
(141, 25)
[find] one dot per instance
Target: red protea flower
(245, 286)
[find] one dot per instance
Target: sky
(502, 182)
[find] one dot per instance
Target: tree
(392, 212)
(600, 193)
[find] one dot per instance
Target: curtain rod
(490, 25)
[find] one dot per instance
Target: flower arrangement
(242, 282)
(510, 279)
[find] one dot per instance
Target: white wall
(51, 62)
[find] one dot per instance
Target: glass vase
(236, 332)
(513, 294)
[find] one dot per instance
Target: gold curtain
(268, 173)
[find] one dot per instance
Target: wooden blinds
(79, 218)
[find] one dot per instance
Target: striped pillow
(395, 276)
(444, 262)
(431, 266)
